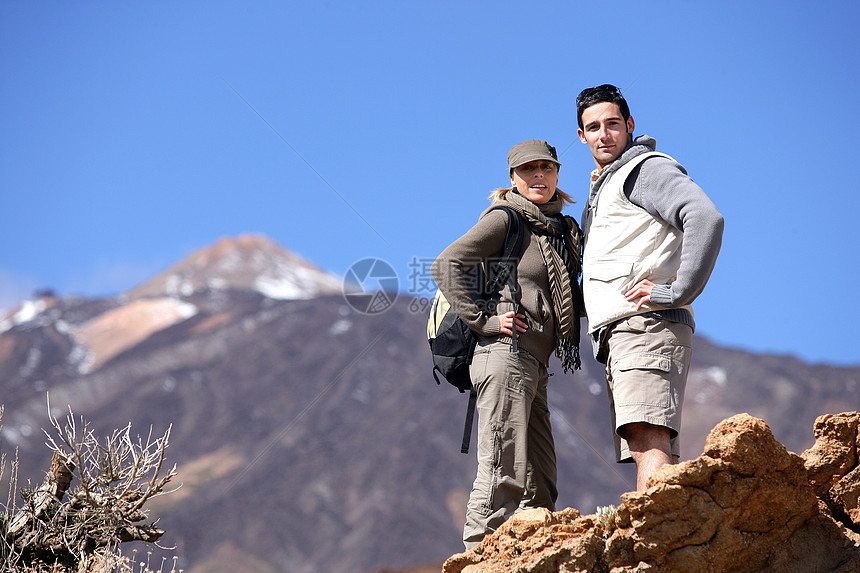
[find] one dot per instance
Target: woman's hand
(507, 321)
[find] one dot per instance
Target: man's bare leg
(651, 449)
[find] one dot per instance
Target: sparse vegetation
(62, 527)
(606, 518)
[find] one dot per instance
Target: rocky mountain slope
(310, 436)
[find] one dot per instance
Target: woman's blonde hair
(499, 194)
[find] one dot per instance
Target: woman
(516, 452)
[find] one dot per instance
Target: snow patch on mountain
(27, 311)
(341, 326)
(289, 281)
(247, 262)
(704, 383)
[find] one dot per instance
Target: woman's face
(536, 180)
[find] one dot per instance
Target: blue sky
(128, 138)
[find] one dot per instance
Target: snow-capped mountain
(92, 335)
(246, 262)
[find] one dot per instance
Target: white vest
(625, 245)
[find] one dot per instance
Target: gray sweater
(663, 188)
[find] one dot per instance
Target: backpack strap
(510, 255)
(470, 416)
(505, 267)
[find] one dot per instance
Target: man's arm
(662, 188)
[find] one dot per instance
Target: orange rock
(745, 505)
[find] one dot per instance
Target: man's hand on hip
(641, 291)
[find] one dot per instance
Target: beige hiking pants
(516, 452)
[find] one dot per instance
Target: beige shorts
(646, 373)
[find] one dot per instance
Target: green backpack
(452, 343)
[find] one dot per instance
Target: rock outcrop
(745, 505)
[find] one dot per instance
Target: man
(651, 240)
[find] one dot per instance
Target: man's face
(605, 132)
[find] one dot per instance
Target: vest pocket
(610, 270)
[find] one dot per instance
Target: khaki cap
(531, 150)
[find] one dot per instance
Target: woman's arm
(484, 240)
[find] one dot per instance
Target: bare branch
(115, 475)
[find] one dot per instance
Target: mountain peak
(246, 262)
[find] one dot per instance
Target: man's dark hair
(605, 93)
